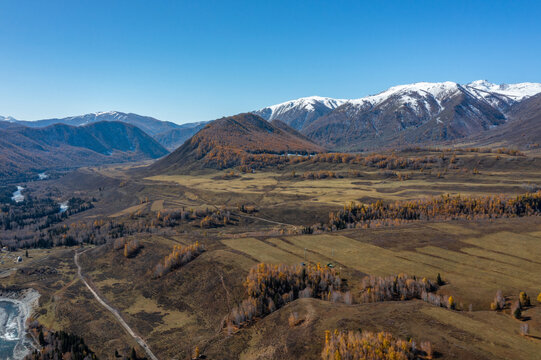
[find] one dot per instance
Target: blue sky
(187, 61)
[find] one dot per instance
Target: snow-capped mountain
(517, 92)
(410, 113)
(300, 112)
(405, 114)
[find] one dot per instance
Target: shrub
(524, 299)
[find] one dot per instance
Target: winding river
(13, 344)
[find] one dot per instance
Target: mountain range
(403, 115)
(167, 133)
(25, 151)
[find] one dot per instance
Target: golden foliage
(367, 345)
(180, 256)
(443, 207)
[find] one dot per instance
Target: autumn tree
(439, 281)
(524, 299)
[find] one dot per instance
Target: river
(17, 195)
(13, 344)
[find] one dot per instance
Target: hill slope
(232, 141)
(523, 130)
(26, 150)
(174, 138)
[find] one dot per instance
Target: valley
(266, 212)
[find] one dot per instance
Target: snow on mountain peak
(7, 118)
(516, 92)
(306, 103)
(436, 90)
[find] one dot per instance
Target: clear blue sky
(187, 61)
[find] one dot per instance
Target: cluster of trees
(6, 193)
(130, 247)
(59, 345)
(38, 213)
(402, 287)
(180, 256)
(216, 219)
(523, 302)
(519, 305)
(269, 287)
(398, 287)
(322, 174)
(443, 207)
(365, 345)
(502, 150)
(94, 232)
(99, 231)
(221, 157)
(381, 161)
(203, 218)
(30, 223)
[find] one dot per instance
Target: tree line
(445, 207)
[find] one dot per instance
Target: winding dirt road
(113, 311)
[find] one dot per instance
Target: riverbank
(26, 301)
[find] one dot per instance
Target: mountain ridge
(408, 114)
(25, 150)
